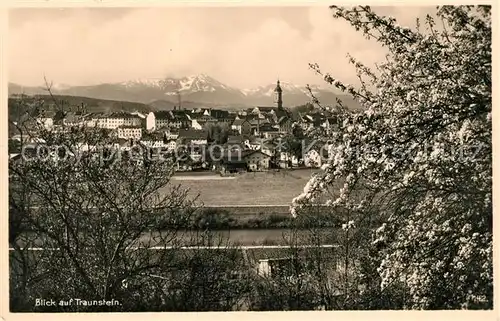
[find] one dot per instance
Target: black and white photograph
(239, 157)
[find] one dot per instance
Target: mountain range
(191, 92)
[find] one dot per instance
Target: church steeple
(278, 99)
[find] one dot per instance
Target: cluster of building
(250, 142)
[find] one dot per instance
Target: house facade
(161, 119)
(257, 160)
(285, 125)
(168, 119)
(242, 126)
(115, 120)
(269, 132)
(151, 121)
(129, 132)
(153, 140)
(171, 144)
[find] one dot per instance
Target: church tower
(278, 99)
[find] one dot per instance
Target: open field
(260, 188)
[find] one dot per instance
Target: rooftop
(238, 122)
(192, 134)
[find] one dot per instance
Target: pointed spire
(278, 95)
(278, 87)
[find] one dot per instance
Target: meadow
(251, 189)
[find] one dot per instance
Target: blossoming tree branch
(434, 205)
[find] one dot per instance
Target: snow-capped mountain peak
(199, 82)
(144, 82)
(269, 90)
(252, 91)
(171, 86)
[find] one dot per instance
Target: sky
(242, 47)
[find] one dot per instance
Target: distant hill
(71, 103)
(162, 105)
(31, 90)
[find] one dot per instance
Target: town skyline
(124, 44)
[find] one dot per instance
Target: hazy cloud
(243, 47)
